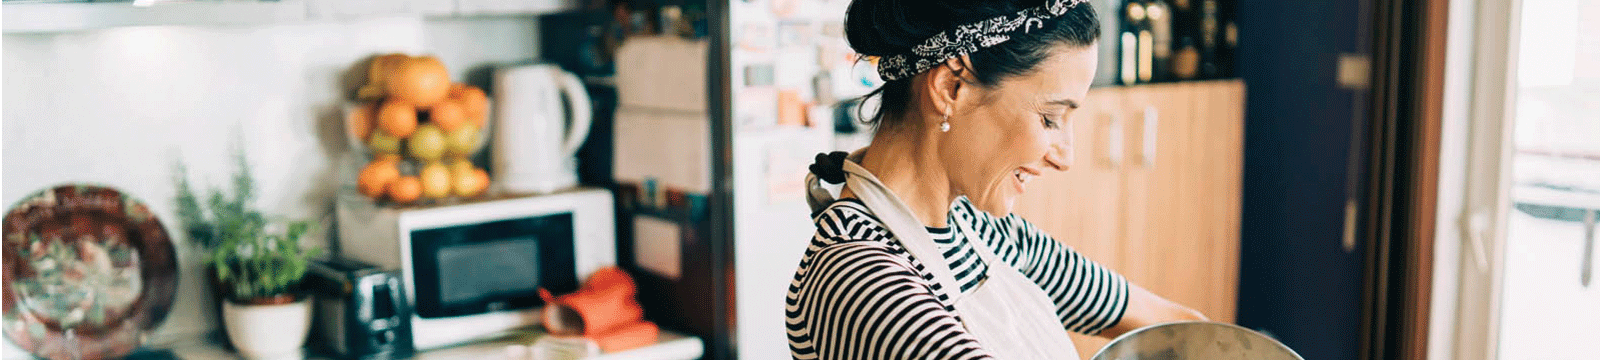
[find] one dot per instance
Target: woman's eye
(1050, 123)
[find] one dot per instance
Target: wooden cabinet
(1154, 191)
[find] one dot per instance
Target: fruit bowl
(414, 132)
(428, 166)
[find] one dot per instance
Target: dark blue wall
(1297, 282)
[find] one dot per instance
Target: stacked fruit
(420, 130)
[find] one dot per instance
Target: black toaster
(361, 310)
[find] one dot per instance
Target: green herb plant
(253, 257)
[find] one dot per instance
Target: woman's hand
(1146, 308)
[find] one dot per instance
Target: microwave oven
(473, 270)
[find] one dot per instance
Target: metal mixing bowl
(1195, 340)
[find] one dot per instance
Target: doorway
(1550, 302)
(1528, 286)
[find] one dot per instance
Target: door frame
(1481, 90)
(1404, 164)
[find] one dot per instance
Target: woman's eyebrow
(1069, 103)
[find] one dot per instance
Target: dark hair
(889, 27)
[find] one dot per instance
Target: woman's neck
(907, 162)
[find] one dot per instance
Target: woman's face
(1002, 137)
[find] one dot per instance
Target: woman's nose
(1061, 155)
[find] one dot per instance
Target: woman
(916, 254)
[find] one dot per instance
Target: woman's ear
(947, 84)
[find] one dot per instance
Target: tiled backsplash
(121, 106)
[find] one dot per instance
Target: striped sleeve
(861, 301)
(1089, 297)
(858, 295)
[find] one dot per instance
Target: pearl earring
(945, 126)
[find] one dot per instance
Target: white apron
(1008, 313)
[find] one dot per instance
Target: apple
(464, 140)
(383, 143)
(435, 180)
(468, 181)
(427, 143)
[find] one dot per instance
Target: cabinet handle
(1587, 262)
(1152, 118)
(1114, 140)
(1349, 242)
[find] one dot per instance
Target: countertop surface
(670, 346)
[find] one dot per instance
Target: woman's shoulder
(849, 220)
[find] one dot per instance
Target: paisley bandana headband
(966, 39)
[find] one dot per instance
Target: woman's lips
(1022, 177)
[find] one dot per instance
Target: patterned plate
(88, 271)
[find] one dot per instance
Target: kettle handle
(582, 112)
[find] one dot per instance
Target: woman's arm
(1067, 276)
(1146, 308)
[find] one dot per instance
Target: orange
(381, 66)
(360, 118)
(448, 114)
(473, 101)
(482, 180)
(377, 70)
(376, 176)
(405, 190)
(421, 80)
(397, 118)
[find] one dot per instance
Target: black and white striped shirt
(859, 295)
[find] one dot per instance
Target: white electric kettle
(535, 140)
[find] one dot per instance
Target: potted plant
(255, 265)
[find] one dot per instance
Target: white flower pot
(268, 332)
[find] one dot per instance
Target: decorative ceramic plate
(88, 271)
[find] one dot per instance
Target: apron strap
(989, 257)
(896, 217)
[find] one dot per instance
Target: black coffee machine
(361, 310)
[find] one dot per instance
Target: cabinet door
(1082, 207)
(1219, 124)
(347, 9)
(1159, 250)
(1183, 193)
(494, 7)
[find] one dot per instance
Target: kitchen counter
(670, 346)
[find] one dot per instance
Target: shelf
(55, 17)
(45, 17)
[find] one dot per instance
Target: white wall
(119, 107)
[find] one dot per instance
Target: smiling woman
(916, 252)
